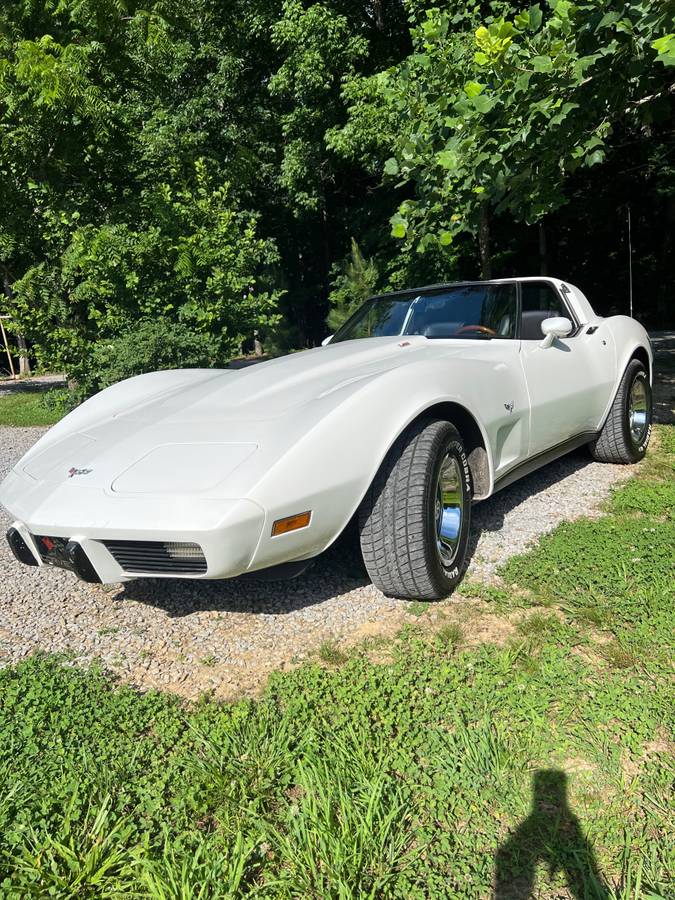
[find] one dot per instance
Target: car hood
(271, 389)
(188, 431)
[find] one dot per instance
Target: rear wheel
(414, 520)
(625, 434)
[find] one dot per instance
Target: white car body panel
(216, 457)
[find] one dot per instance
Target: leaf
(445, 238)
(482, 36)
(473, 88)
(597, 156)
(399, 225)
(447, 159)
(536, 17)
(391, 166)
(542, 64)
(665, 47)
(483, 104)
(562, 8)
(609, 19)
(523, 81)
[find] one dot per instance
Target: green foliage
(193, 266)
(352, 286)
(615, 571)
(85, 856)
(347, 834)
(502, 113)
(209, 164)
(148, 346)
(320, 48)
(404, 779)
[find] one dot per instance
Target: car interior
(539, 302)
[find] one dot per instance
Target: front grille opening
(158, 557)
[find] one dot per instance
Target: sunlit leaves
(391, 166)
(665, 47)
(504, 110)
(399, 226)
(448, 159)
(542, 64)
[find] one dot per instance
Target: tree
(192, 260)
(353, 284)
(496, 118)
(120, 208)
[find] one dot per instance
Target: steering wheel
(482, 328)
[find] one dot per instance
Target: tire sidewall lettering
(641, 448)
(461, 456)
(452, 575)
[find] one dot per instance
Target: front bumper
(227, 531)
(110, 557)
(59, 552)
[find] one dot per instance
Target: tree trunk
(325, 275)
(543, 250)
(379, 14)
(24, 362)
(484, 242)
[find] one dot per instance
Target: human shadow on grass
(551, 836)
(338, 570)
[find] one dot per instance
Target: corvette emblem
(509, 406)
(72, 472)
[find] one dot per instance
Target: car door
(568, 381)
(491, 368)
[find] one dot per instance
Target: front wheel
(625, 434)
(414, 521)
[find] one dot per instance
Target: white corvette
(422, 402)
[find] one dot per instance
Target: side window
(500, 307)
(540, 301)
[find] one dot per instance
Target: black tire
(400, 515)
(618, 442)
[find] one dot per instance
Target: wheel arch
(640, 353)
(473, 439)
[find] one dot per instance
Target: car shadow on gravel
(337, 571)
(489, 515)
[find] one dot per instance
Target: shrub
(147, 347)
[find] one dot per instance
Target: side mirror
(556, 327)
(327, 340)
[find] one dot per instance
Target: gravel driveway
(227, 636)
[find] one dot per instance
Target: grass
(332, 654)
(546, 761)
(25, 408)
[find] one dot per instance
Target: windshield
(465, 311)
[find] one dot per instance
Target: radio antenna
(630, 266)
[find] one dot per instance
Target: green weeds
(330, 653)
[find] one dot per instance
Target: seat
(530, 323)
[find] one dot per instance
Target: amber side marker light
(291, 523)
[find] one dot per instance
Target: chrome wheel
(449, 510)
(638, 412)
